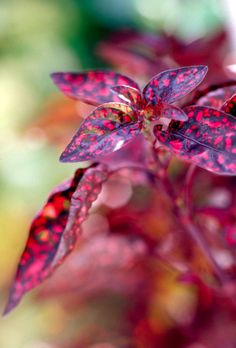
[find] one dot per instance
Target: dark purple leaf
(208, 139)
(105, 130)
(171, 85)
(92, 87)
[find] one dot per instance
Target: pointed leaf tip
(92, 87)
(172, 85)
(105, 130)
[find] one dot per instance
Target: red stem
(184, 216)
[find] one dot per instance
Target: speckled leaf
(128, 94)
(230, 106)
(54, 230)
(208, 139)
(174, 113)
(84, 195)
(92, 87)
(171, 85)
(106, 130)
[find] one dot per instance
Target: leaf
(139, 56)
(115, 261)
(171, 85)
(199, 51)
(140, 42)
(173, 112)
(208, 139)
(230, 106)
(128, 94)
(215, 95)
(92, 87)
(55, 229)
(105, 130)
(230, 234)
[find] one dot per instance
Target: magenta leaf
(171, 85)
(230, 106)
(208, 139)
(55, 229)
(105, 130)
(92, 87)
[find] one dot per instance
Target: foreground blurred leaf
(55, 229)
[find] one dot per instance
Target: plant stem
(198, 237)
(187, 196)
(184, 216)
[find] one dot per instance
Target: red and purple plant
(151, 125)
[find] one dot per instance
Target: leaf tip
(204, 68)
(54, 76)
(64, 158)
(9, 307)
(12, 302)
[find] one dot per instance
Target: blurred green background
(38, 37)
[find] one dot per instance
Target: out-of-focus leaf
(103, 263)
(57, 119)
(138, 54)
(230, 106)
(216, 95)
(55, 229)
